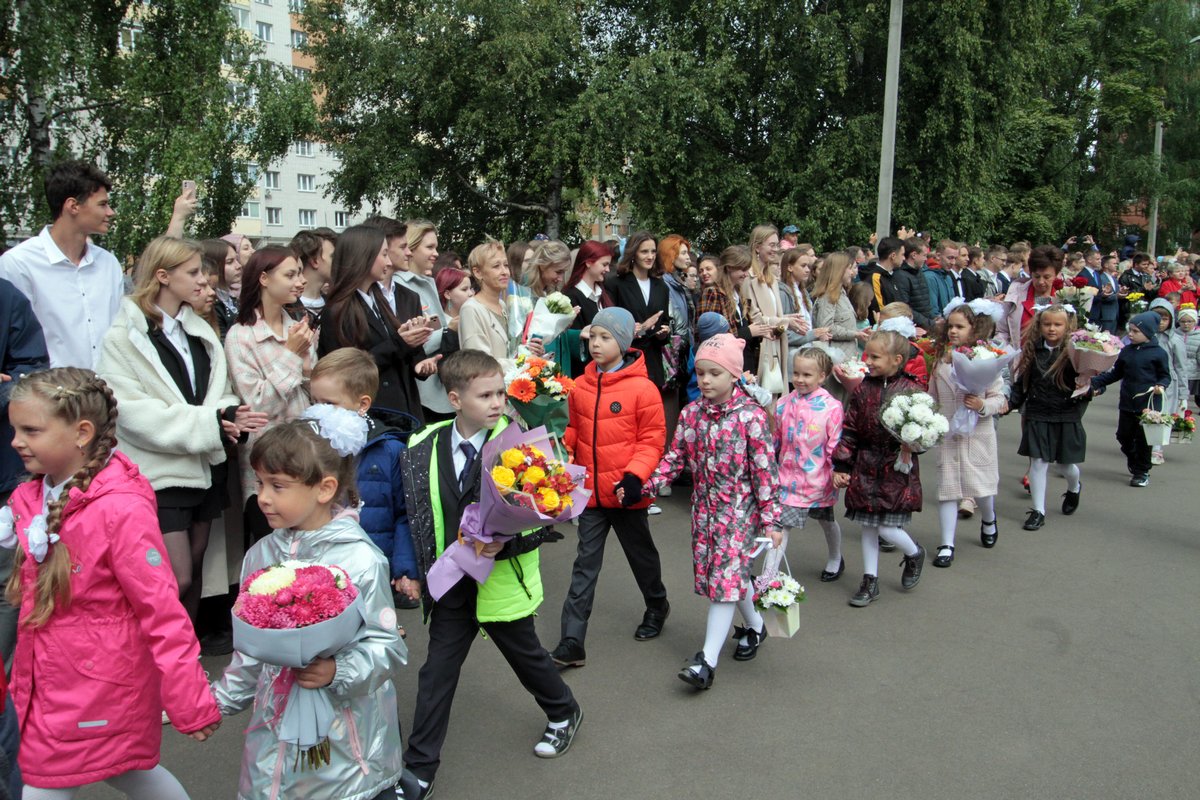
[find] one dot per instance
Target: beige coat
(767, 309)
(967, 465)
(480, 328)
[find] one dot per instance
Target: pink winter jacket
(91, 684)
(808, 429)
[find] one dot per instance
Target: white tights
(833, 542)
(720, 620)
(138, 784)
(870, 544)
(948, 514)
(1038, 470)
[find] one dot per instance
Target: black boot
(912, 568)
(867, 592)
(1034, 521)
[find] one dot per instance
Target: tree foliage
(188, 100)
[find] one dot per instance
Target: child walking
(617, 431)
(878, 497)
(967, 463)
(306, 491)
(1174, 399)
(724, 439)
(808, 429)
(104, 644)
(1144, 370)
(1052, 425)
(1190, 336)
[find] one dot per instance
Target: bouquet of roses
(974, 368)
(913, 419)
(850, 373)
(538, 389)
(1091, 352)
(1078, 294)
(1183, 428)
(287, 615)
(522, 488)
(551, 315)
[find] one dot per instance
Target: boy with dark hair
(74, 286)
(314, 250)
(441, 471)
(911, 286)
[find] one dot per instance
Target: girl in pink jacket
(807, 430)
(103, 644)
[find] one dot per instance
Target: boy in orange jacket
(616, 430)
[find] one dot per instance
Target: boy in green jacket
(441, 478)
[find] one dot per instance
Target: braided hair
(70, 394)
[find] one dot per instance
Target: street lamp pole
(1152, 238)
(887, 150)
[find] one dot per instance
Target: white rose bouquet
(915, 422)
(551, 315)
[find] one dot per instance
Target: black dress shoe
(754, 639)
(569, 653)
(1071, 501)
(652, 623)
(1034, 521)
(944, 557)
(988, 539)
(701, 678)
(409, 788)
(828, 577)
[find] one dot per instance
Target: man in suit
(1106, 306)
(963, 282)
(442, 474)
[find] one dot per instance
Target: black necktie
(470, 452)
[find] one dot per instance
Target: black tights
(186, 551)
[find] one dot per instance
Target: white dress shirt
(370, 301)
(456, 439)
(172, 328)
(645, 287)
(74, 304)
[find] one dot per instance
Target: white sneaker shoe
(664, 490)
(653, 510)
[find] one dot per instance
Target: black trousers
(632, 527)
(1133, 443)
(452, 630)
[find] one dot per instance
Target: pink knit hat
(724, 350)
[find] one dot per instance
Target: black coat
(972, 287)
(910, 287)
(627, 294)
(868, 451)
(22, 351)
(1040, 394)
(1138, 367)
(396, 360)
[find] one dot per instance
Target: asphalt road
(1061, 664)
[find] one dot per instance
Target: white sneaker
(653, 510)
(664, 490)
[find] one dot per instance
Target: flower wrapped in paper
(1091, 351)
(522, 487)
(974, 369)
(288, 615)
(538, 390)
(1078, 294)
(912, 418)
(551, 316)
(850, 373)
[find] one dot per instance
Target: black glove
(520, 545)
(632, 485)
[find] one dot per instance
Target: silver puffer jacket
(365, 738)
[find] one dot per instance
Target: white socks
(948, 515)
(833, 541)
(897, 536)
(774, 556)
(140, 784)
(720, 620)
(1037, 481)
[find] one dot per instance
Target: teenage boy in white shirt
(74, 286)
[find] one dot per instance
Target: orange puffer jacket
(616, 426)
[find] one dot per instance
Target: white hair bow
(988, 308)
(8, 531)
(901, 325)
(345, 431)
(953, 304)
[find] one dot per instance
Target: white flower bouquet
(551, 315)
(974, 369)
(778, 595)
(913, 419)
(850, 373)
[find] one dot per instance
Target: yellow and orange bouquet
(526, 470)
(537, 390)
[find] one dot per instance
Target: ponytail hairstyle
(296, 450)
(1033, 343)
(70, 394)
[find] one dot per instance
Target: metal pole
(1152, 238)
(887, 150)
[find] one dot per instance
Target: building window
(263, 2)
(308, 217)
(274, 216)
(264, 31)
(341, 219)
(250, 210)
(129, 37)
(252, 173)
(303, 73)
(306, 183)
(271, 181)
(241, 16)
(296, 6)
(299, 38)
(303, 148)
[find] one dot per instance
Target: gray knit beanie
(619, 323)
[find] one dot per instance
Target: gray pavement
(1061, 664)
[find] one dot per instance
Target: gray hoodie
(1170, 340)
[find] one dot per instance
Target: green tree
(155, 93)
